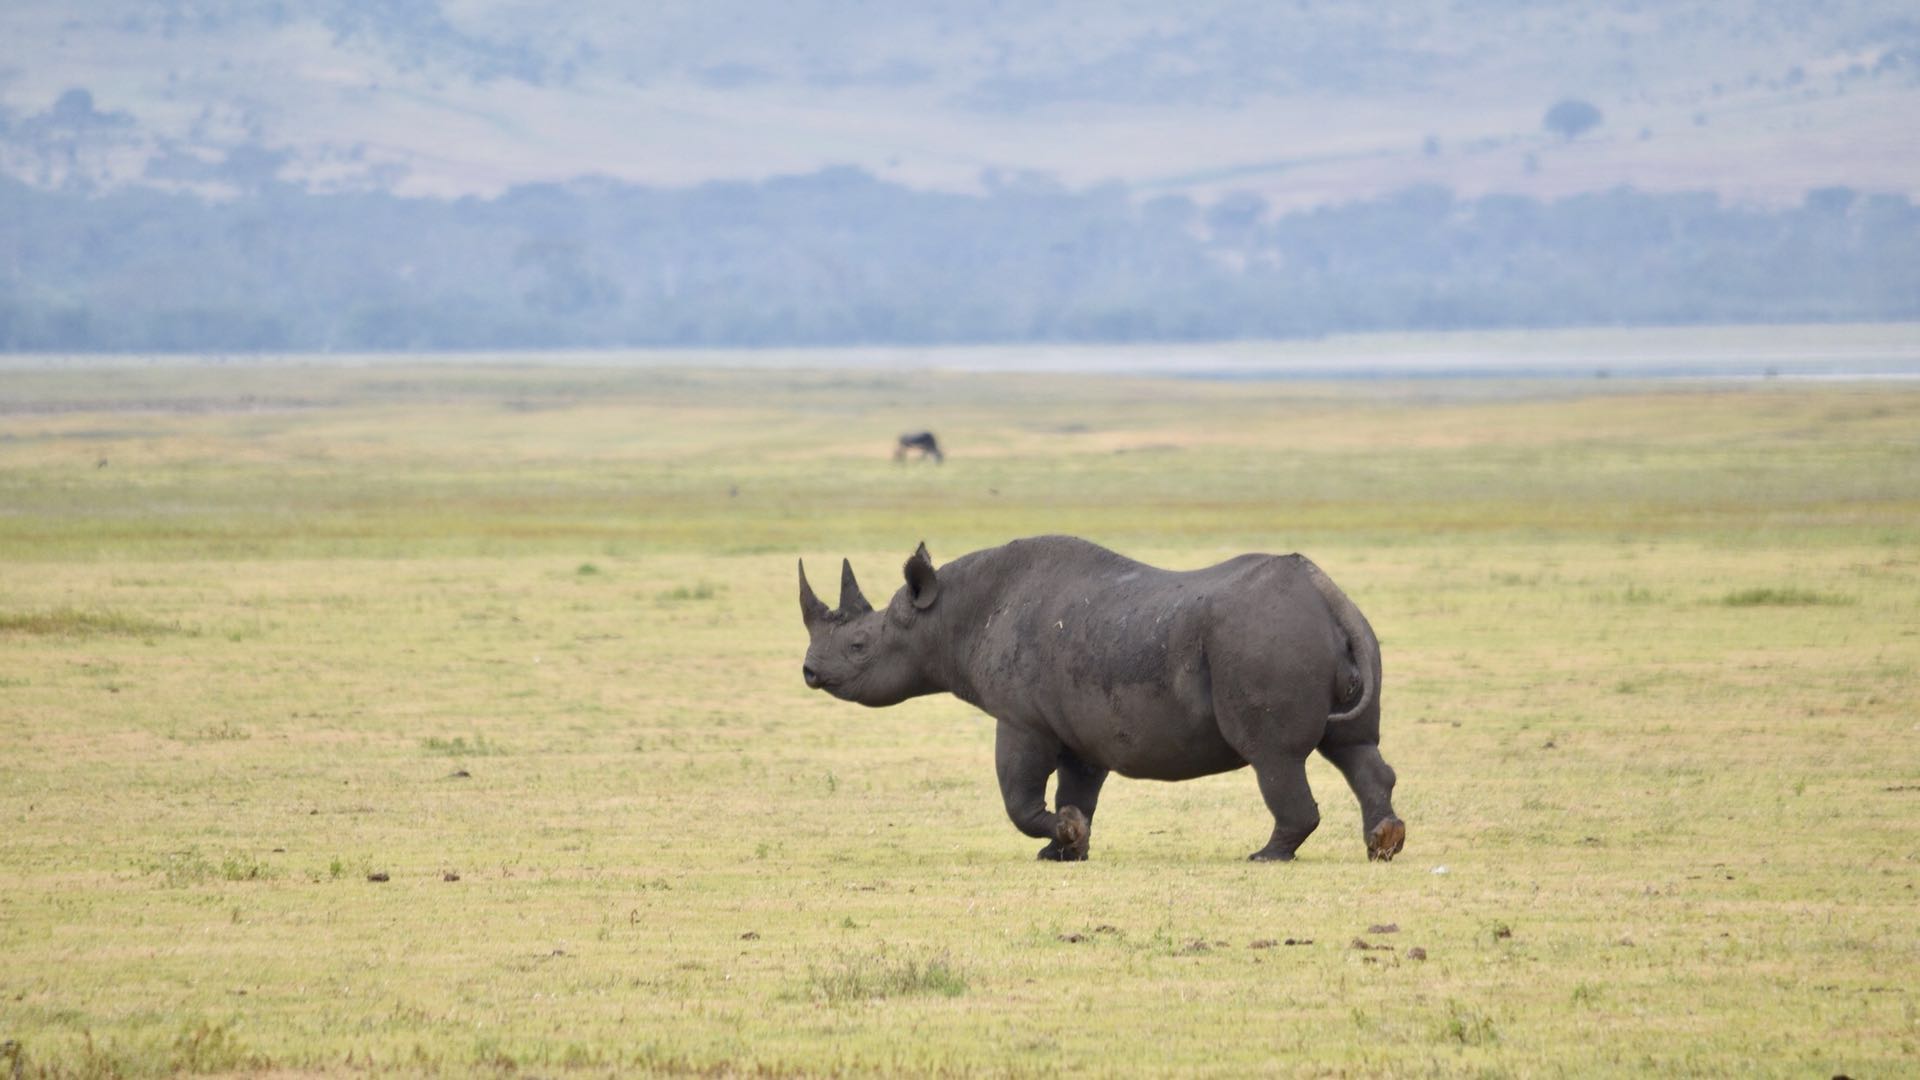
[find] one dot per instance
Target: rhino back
(1111, 655)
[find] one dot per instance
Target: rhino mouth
(831, 687)
(817, 681)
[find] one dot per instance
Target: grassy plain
(266, 634)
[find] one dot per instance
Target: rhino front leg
(1024, 759)
(1078, 789)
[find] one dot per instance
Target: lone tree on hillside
(1572, 117)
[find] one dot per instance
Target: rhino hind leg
(1283, 783)
(1371, 779)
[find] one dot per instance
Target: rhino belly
(1154, 739)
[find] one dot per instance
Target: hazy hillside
(330, 174)
(1303, 103)
(839, 257)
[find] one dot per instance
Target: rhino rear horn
(922, 584)
(851, 601)
(811, 609)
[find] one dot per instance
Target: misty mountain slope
(839, 257)
(1303, 103)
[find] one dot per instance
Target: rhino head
(871, 657)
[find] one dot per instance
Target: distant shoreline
(1822, 352)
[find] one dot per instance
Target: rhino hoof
(1055, 853)
(1070, 836)
(1270, 855)
(1386, 840)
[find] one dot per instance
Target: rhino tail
(1363, 648)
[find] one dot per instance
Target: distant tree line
(839, 257)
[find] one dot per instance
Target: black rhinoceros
(1094, 663)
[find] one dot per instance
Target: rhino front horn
(811, 609)
(851, 600)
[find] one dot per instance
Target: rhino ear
(923, 586)
(811, 609)
(851, 600)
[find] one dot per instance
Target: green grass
(1673, 798)
(864, 977)
(461, 746)
(1787, 597)
(683, 593)
(68, 622)
(194, 867)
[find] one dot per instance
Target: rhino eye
(858, 643)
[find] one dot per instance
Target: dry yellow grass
(1650, 667)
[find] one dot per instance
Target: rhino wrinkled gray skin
(1094, 663)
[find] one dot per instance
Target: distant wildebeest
(922, 441)
(1094, 663)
